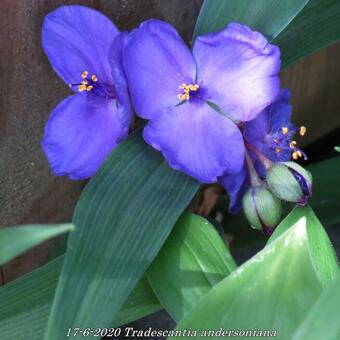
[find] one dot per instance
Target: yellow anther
(84, 74)
(82, 88)
(303, 130)
(89, 88)
(84, 82)
(284, 130)
(292, 144)
(94, 78)
(187, 88)
(277, 150)
(297, 154)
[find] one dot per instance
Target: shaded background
(29, 90)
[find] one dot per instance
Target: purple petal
(240, 69)
(281, 112)
(197, 140)
(266, 127)
(80, 133)
(77, 38)
(156, 63)
(236, 185)
(119, 79)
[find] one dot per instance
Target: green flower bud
(262, 208)
(290, 182)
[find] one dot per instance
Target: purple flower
(85, 48)
(193, 100)
(269, 134)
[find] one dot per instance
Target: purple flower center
(280, 141)
(192, 92)
(95, 87)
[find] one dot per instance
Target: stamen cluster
(187, 88)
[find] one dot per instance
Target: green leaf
(326, 194)
(299, 28)
(272, 291)
(316, 26)
(267, 17)
(193, 259)
(26, 303)
(321, 249)
(322, 321)
(16, 240)
(337, 148)
(123, 217)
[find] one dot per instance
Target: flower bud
(262, 208)
(290, 182)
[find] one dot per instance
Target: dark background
(29, 90)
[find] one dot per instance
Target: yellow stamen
(292, 144)
(82, 88)
(84, 82)
(84, 74)
(187, 88)
(284, 130)
(94, 78)
(89, 88)
(277, 150)
(303, 130)
(295, 155)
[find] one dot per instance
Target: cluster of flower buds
(286, 181)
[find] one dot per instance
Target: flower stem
(267, 163)
(255, 180)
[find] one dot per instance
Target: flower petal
(77, 38)
(236, 185)
(80, 133)
(240, 69)
(261, 131)
(197, 140)
(156, 62)
(120, 82)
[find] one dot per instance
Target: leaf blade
(267, 17)
(123, 216)
(193, 259)
(16, 240)
(261, 288)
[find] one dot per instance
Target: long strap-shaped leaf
(193, 260)
(26, 303)
(315, 27)
(322, 321)
(271, 292)
(299, 27)
(268, 17)
(123, 217)
(18, 239)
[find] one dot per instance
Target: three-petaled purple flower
(85, 48)
(268, 136)
(195, 101)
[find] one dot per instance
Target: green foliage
(16, 240)
(315, 27)
(193, 259)
(267, 17)
(299, 28)
(274, 290)
(123, 217)
(322, 321)
(26, 303)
